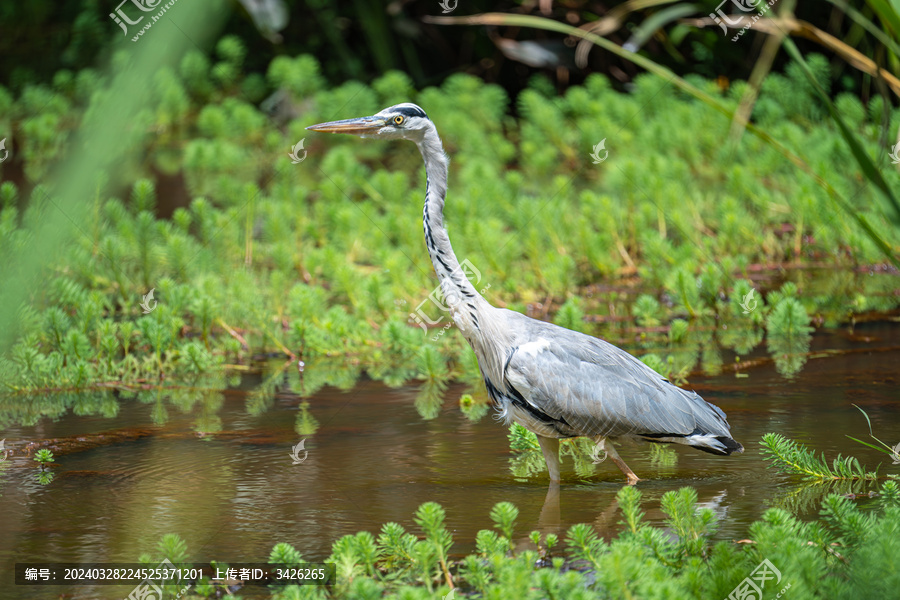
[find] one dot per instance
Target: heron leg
(603, 444)
(550, 448)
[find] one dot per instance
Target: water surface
(234, 493)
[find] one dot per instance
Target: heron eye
(398, 120)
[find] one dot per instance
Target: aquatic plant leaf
(793, 458)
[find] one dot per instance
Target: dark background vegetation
(361, 39)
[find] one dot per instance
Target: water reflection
(740, 338)
(474, 406)
(806, 497)
(664, 458)
(789, 349)
(430, 398)
(305, 424)
(708, 342)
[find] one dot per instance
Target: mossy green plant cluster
(848, 553)
(325, 258)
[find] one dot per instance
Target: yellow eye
(398, 120)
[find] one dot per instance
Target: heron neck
(472, 314)
(452, 277)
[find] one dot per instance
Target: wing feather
(600, 390)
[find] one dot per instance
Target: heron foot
(614, 456)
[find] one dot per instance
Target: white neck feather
(454, 280)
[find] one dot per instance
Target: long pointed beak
(360, 126)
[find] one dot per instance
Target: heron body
(553, 381)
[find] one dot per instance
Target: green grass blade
(868, 25)
(873, 446)
(866, 416)
(888, 14)
(655, 22)
(869, 169)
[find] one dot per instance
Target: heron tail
(722, 445)
(714, 444)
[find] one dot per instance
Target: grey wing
(600, 390)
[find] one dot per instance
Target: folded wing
(600, 390)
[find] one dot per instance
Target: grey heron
(555, 382)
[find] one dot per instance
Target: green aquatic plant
(740, 337)
(683, 348)
(656, 363)
(432, 365)
(551, 540)
(504, 515)
(693, 526)
(571, 315)
(527, 459)
(430, 518)
(795, 459)
(172, 547)
(396, 548)
(44, 457)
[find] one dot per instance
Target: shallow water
(233, 494)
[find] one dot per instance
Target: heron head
(402, 121)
